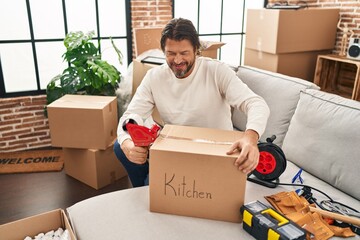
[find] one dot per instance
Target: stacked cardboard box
(85, 127)
(288, 41)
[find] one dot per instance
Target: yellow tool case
(264, 223)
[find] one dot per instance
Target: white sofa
(318, 132)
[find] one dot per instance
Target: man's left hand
(249, 152)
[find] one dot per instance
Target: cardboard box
(149, 38)
(286, 31)
(210, 49)
(32, 226)
(82, 121)
(146, 39)
(300, 64)
(96, 168)
(191, 174)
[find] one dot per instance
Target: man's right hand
(137, 155)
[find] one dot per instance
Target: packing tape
(198, 140)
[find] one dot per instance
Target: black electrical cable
(309, 197)
(303, 185)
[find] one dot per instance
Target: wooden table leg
(318, 70)
(356, 89)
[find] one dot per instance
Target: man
(192, 91)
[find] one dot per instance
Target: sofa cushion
(281, 93)
(324, 137)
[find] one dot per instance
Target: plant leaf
(106, 72)
(118, 52)
(74, 40)
(86, 73)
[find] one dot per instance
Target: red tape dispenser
(141, 135)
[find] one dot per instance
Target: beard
(181, 73)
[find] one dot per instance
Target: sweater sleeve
(257, 113)
(241, 97)
(140, 108)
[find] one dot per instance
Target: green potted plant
(87, 73)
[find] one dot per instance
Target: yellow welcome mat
(32, 161)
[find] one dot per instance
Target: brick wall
(22, 123)
(150, 14)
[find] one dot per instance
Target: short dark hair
(179, 29)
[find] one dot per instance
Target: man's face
(180, 56)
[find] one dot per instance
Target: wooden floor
(26, 194)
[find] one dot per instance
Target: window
(219, 20)
(31, 47)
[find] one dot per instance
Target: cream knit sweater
(203, 99)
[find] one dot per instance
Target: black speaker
(354, 49)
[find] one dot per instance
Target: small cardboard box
(299, 64)
(96, 168)
(285, 31)
(149, 38)
(146, 39)
(82, 121)
(191, 174)
(210, 49)
(32, 226)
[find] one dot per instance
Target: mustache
(179, 64)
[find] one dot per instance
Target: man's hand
(137, 155)
(249, 151)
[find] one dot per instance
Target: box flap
(82, 101)
(196, 140)
(208, 45)
(201, 134)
